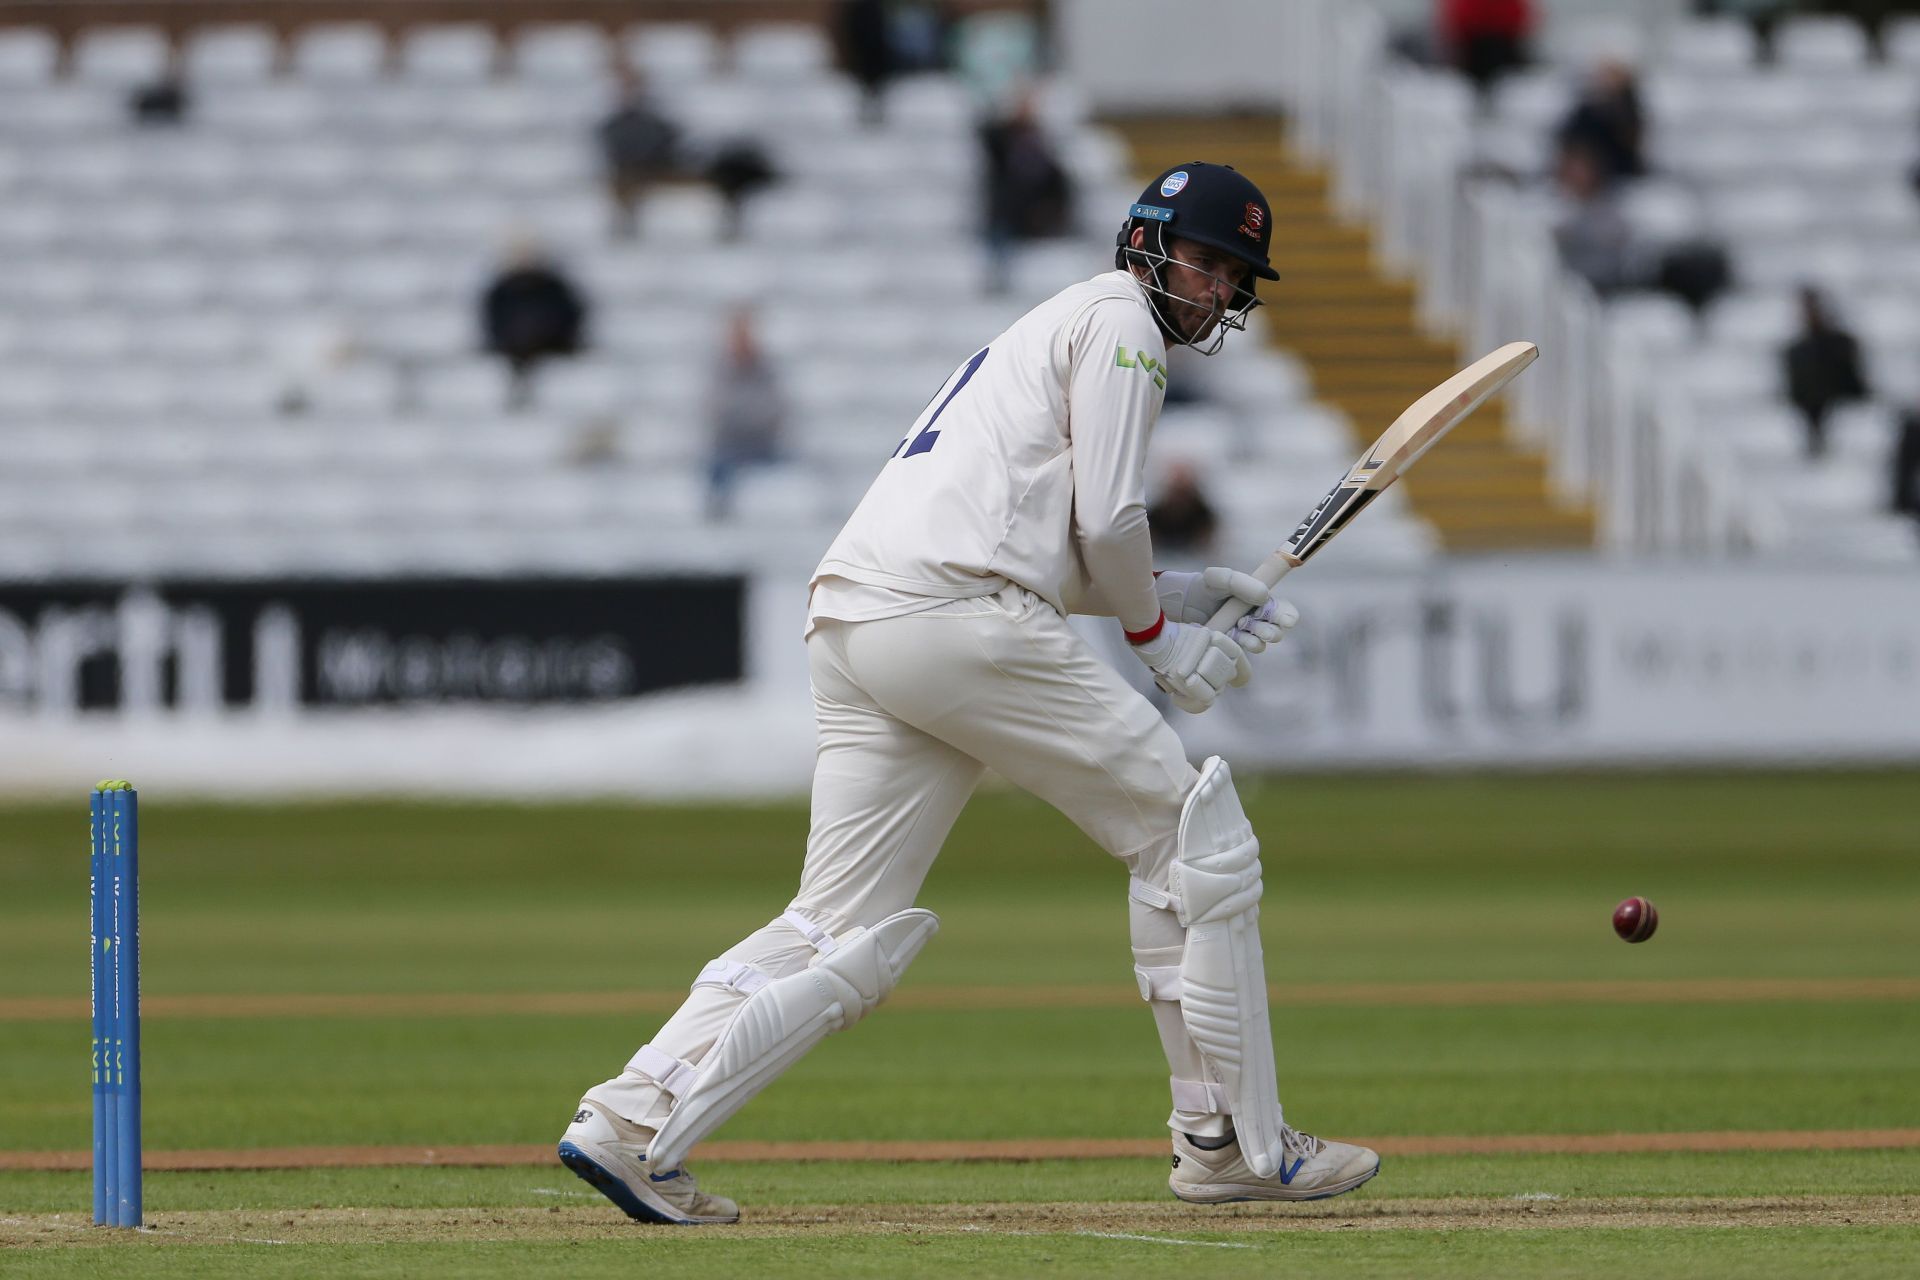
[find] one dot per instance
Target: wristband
(1146, 634)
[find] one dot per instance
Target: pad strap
(1140, 891)
(821, 940)
(1200, 1095)
(667, 1071)
(1159, 982)
(734, 975)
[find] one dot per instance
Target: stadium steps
(1355, 330)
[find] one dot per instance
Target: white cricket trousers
(910, 712)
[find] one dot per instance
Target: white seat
(1719, 373)
(1537, 98)
(235, 54)
(468, 386)
(782, 51)
(1754, 319)
(1712, 44)
(561, 52)
(936, 105)
(166, 283)
(1773, 209)
(200, 335)
(584, 387)
(360, 390)
(340, 53)
(120, 56)
(274, 111)
(1820, 43)
(671, 53)
(56, 110)
(28, 226)
(1874, 96)
(28, 56)
(1578, 40)
(1661, 211)
(1655, 321)
(273, 284)
(455, 53)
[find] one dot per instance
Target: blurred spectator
(738, 169)
(1595, 238)
(748, 411)
(1822, 368)
(1696, 271)
(1484, 38)
(996, 54)
(640, 146)
(866, 47)
(1181, 519)
(529, 312)
(1608, 123)
(917, 33)
(1906, 466)
(163, 102)
(1029, 194)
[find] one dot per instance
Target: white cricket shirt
(1028, 466)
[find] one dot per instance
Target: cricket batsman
(938, 648)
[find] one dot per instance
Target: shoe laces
(1302, 1144)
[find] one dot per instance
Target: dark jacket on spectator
(1823, 369)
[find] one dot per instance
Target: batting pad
(1215, 881)
(785, 1018)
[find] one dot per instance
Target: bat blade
(1418, 428)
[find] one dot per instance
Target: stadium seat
(560, 53)
(781, 51)
(1711, 45)
(233, 54)
(340, 53)
(1820, 43)
(28, 56)
(120, 57)
(671, 53)
(456, 53)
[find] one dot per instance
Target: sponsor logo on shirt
(1141, 360)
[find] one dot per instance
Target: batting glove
(1191, 662)
(1196, 597)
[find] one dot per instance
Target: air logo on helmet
(1174, 183)
(1256, 217)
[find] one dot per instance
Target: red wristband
(1145, 634)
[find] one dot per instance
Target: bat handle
(1271, 570)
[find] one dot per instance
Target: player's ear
(1138, 239)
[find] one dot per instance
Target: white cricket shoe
(611, 1155)
(1313, 1170)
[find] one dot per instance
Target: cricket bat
(1414, 432)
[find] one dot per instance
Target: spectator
(1485, 38)
(866, 47)
(748, 412)
(737, 170)
(529, 312)
(1906, 466)
(1181, 519)
(1029, 194)
(639, 146)
(1822, 368)
(1595, 239)
(164, 101)
(1607, 121)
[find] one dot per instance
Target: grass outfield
(384, 975)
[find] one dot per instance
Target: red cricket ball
(1635, 920)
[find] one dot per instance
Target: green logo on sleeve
(1140, 360)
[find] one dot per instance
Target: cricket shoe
(1312, 1169)
(611, 1155)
